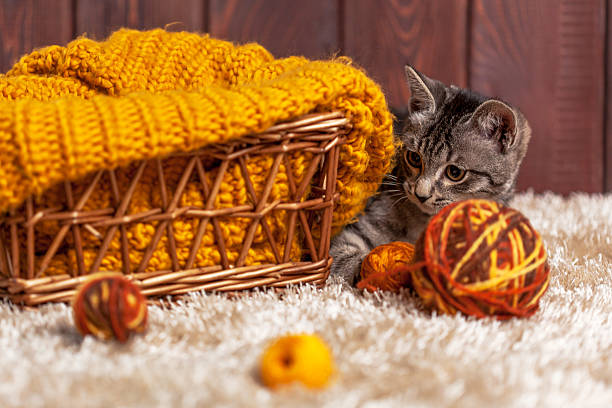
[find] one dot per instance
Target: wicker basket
(308, 218)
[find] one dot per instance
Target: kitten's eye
(413, 159)
(455, 173)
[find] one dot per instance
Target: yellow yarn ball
(302, 358)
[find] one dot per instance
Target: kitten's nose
(421, 199)
(422, 189)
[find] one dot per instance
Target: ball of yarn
(481, 258)
(386, 267)
(303, 358)
(109, 306)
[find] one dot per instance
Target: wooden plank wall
(549, 57)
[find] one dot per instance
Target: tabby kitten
(455, 145)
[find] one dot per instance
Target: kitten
(455, 145)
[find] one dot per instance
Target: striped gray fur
(454, 132)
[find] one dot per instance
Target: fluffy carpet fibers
(205, 350)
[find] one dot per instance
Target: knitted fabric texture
(66, 112)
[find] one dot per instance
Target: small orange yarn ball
(302, 358)
(387, 267)
(481, 258)
(109, 306)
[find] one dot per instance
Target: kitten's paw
(346, 270)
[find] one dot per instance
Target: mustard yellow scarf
(66, 112)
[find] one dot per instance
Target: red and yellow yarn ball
(483, 259)
(301, 358)
(109, 306)
(387, 267)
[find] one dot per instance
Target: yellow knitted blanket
(66, 112)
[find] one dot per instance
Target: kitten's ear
(421, 97)
(498, 121)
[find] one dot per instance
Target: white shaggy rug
(205, 351)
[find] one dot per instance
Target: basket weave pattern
(277, 235)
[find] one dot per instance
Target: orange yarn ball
(386, 267)
(483, 259)
(109, 306)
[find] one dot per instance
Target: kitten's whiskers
(399, 200)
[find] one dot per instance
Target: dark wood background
(549, 57)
